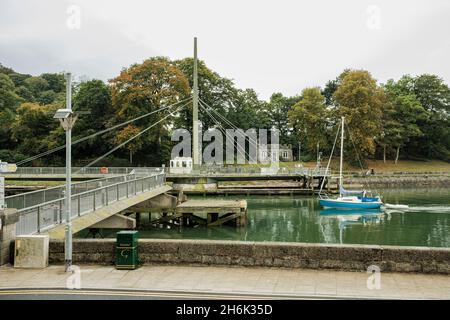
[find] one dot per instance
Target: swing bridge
(110, 197)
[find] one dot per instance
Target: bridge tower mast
(195, 123)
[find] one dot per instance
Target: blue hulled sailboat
(349, 199)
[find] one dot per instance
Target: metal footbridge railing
(257, 171)
(78, 171)
(43, 209)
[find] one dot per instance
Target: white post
(318, 152)
(2, 193)
(342, 158)
(299, 151)
(68, 206)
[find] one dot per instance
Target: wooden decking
(90, 219)
(205, 212)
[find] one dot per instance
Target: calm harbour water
(300, 219)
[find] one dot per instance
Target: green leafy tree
(402, 111)
(143, 88)
(8, 98)
(390, 129)
(308, 117)
(56, 81)
(125, 134)
(248, 112)
(360, 100)
(215, 91)
(331, 87)
(19, 78)
(36, 85)
(32, 128)
(46, 97)
(8, 103)
(328, 91)
(45, 89)
(24, 93)
(434, 95)
(11, 156)
(5, 70)
(93, 101)
(7, 117)
(277, 111)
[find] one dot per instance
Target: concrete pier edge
(265, 254)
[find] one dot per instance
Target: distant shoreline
(416, 180)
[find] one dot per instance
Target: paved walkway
(233, 281)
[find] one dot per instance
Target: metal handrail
(23, 200)
(78, 170)
(82, 193)
(230, 170)
(11, 201)
(43, 216)
(73, 184)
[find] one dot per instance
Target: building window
(285, 154)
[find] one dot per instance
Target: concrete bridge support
(161, 204)
(158, 203)
(8, 218)
(117, 221)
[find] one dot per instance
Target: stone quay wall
(264, 254)
(402, 181)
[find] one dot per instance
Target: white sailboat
(349, 199)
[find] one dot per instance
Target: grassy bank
(409, 166)
(379, 165)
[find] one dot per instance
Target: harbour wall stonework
(401, 180)
(264, 254)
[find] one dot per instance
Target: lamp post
(67, 119)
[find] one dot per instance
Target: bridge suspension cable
(251, 141)
(223, 118)
(133, 137)
(329, 160)
(359, 160)
(43, 154)
(222, 129)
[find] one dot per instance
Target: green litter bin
(127, 250)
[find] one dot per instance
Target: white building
(268, 152)
(181, 165)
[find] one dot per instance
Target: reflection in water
(364, 217)
(300, 219)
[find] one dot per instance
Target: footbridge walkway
(93, 201)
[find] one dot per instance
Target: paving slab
(289, 283)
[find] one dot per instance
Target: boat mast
(342, 158)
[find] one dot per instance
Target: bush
(11, 156)
(308, 157)
(114, 162)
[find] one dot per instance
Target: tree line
(408, 118)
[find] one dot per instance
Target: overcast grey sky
(271, 46)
